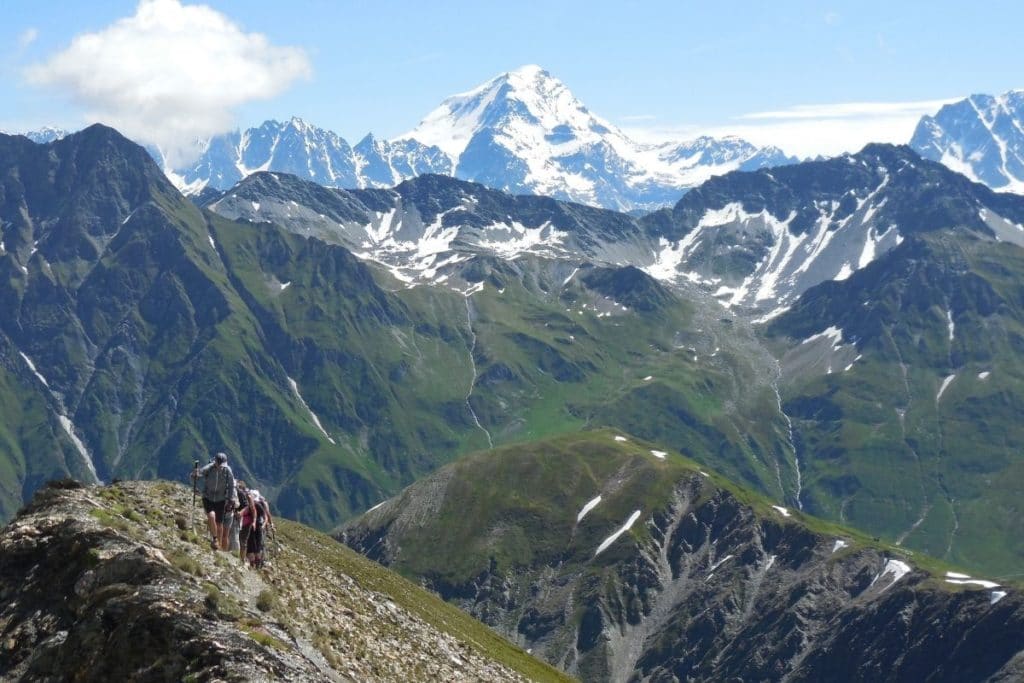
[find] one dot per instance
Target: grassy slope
(420, 602)
(951, 467)
(514, 510)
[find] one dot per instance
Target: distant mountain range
(522, 132)
(751, 240)
(981, 136)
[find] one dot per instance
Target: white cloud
(170, 74)
(27, 37)
(812, 130)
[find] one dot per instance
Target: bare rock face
(109, 583)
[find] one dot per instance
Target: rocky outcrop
(709, 583)
(109, 583)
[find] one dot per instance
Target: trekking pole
(273, 537)
(192, 510)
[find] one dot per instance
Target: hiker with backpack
(247, 520)
(268, 528)
(219, 494)
(254, 551)
(235, 541)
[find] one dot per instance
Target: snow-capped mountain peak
(527, 103)
(981, 136)
(46, 134)
(522, 131)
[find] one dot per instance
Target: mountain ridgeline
(343, 343)
(617, 561)
(140, 332)
(520, 132)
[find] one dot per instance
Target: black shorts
(254, 543)
(243, 537)
(216, 508)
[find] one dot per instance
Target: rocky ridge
(108, 583)
(620, 562)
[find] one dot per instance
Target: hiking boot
(213, 544)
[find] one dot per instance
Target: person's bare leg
(225, 527)
(211, 520)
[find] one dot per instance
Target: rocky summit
(110, 584)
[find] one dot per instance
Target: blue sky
(805, 74)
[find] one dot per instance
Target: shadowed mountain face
(617, 561)
(132, 340)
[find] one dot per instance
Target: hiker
(247, 520)
(219, 495)
(268, 526)
(235, 531)
(254, 550)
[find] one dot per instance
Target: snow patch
(591, 504)
(997, 596)
(984, 375)
(472, 289)
(659, 454)
(620, 438)
(782, 511)
(718, 564)
(316, 420)
(973, 582)
(897, 569)
(839, 545)
(284, 285)
(965, 580)
(945, 385)
(771, 561)
(376, 506)
(621, 530)
(69, 428)
(950, 324)
(32, 367)
(832, 332)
